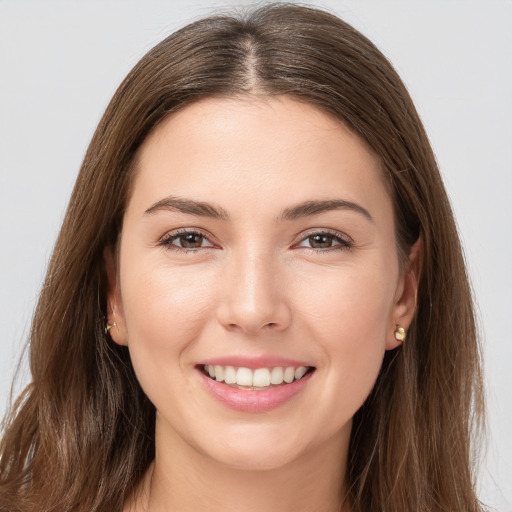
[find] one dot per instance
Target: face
(259, 237)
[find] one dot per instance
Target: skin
(256, 287)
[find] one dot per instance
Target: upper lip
(252, 362)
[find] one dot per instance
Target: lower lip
(254, 401)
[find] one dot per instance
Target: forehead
(274, 149)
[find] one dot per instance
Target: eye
(188, 241)
(185, 241)
(324, 241)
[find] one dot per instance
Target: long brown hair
(82, 434)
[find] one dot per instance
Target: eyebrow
(190, 206)
(309, 208)
(305, 209)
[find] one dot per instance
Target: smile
(255, 379)
(257, 389)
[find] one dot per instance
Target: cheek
(165, 311)
(350, 302)
(349, 319)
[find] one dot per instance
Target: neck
(183, 479)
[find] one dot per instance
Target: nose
(253, 295)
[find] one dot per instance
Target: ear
(115, 314)
(404, 305)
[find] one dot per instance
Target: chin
(256, 458)
(256, 448)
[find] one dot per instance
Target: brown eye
(321, 241)
(185, 241)
(325, 241)
(191, 240)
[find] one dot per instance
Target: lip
(253, 362)
(254, 401)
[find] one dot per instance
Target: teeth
(300, 372)
(230, 375)
(289, 374)
(219, 373)
(244, 377)
(276, 377)
(259, 378)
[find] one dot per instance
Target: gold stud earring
(399, 333)
(109, 326)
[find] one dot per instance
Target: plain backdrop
(60, 63)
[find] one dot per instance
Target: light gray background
(60, 63)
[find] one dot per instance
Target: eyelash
(343, 243)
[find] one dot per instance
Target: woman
(257, 298)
